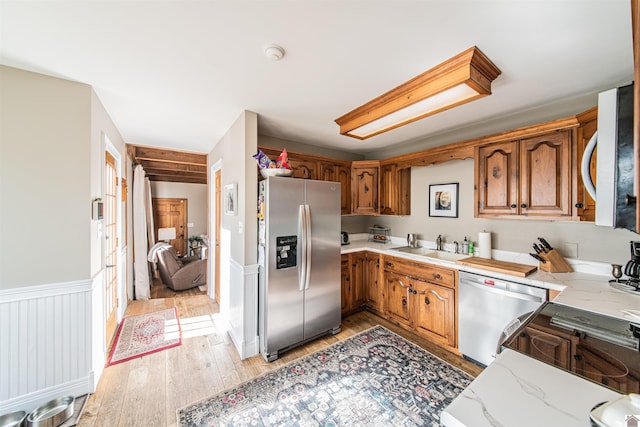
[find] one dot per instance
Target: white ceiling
(178, 73)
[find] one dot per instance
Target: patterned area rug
(145, 334)
(373, 378)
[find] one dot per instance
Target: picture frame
(443, 200)
(231, 199)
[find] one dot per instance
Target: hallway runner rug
(145, 334)
(374, 378)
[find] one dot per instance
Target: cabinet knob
(523, 206)
(523, 335)
(513, 206)
(579, 205)
(415, 292)
(426, 300)
(437, 276)
(404, 301)
(577, 356)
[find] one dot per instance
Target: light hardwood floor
(148, 390)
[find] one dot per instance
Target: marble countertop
(516, 389)
(586, 288)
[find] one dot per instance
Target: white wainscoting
(242, 316)
(47, 347)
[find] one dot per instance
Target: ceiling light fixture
(461, 79)
(274, 52)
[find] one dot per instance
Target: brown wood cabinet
(605, 369)
(395, 189)
(338, 171)
(526, 177)
(360, 286)
(365, 176)
(547, 347)
(585, 206)
(421, 297)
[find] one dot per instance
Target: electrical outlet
(190, 224)
(570, 250)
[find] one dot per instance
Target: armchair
(180, 273)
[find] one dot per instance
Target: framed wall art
(443, 200)
(231, 199)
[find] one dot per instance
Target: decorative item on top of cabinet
(395, 189)
(527, 177)
(364, 187)
(585, 206)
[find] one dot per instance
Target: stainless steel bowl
(14, 419)
(52, 413)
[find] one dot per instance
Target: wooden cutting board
(513, 268)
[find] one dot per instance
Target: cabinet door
(585, 205)
(305, 169)
(497, 179)
(364, 187)
(373, 288)
(546, 347)
(343, 176)
(545, 174)
(358, 279)
(345, 277)
(388, 190)
(605, 369)
(435, 312)
(398, 298)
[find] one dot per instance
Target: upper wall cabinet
(365, 177)
(528, 177)
(395, 189)
(338, 171)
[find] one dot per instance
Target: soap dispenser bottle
(465, 246)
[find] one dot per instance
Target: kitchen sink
(430, 253)
(444, 256)
(414, 251)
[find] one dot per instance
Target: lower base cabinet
(421, 297)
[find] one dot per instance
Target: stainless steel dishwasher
(487, 307)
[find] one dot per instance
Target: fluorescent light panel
(461, 79)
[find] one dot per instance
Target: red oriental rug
(145, 334)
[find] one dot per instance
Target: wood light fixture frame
(461, 79)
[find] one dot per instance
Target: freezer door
(281, 299)
(322, 296)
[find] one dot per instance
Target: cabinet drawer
(426, 272)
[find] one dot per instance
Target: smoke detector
(274, 52)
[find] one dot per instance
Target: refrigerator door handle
(307, 243)
(302, 229)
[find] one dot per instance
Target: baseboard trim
(31, 401)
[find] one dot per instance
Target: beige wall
(234, 151)
(196, 195)
(594, 243)
(51, 163)
(45, 167)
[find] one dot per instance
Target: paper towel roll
(484, 244)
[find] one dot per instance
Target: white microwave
(613, 192)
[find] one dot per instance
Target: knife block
(555, 262)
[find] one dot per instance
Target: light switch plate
(239, 227)
(570, 250)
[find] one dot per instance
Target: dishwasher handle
(512, 294)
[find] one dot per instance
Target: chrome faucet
(439, 241)
(456, 246)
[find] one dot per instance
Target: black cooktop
(600, 348)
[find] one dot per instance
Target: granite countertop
(517, 389)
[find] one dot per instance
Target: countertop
(516, 389)
(586, 288)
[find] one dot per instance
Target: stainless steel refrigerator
(299, 262)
